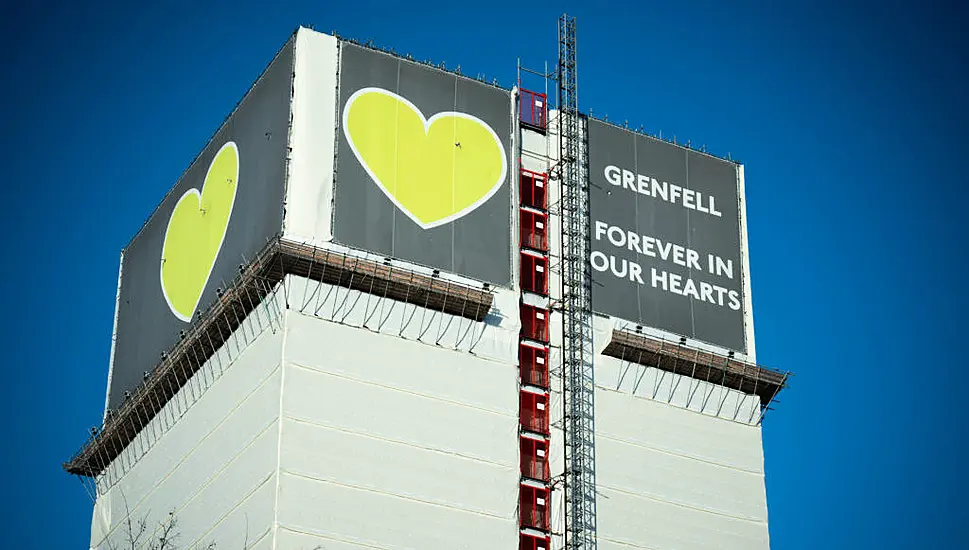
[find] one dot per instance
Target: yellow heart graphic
(435, 170)
(195, 233)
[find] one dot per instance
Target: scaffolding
(257, 281)
(577, 345)
(632, 346)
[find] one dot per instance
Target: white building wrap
(330, 434)
(214, 467)
(392, 443)
(671, 478)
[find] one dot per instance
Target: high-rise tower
(390, 306)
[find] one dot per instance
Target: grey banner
(368, 215)
(148, 318)
(665, 228)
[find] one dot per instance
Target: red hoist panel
(534, 412)
(533, 542)
(534, 507)
(533, 363)
(534, 230)
(534, 323)
(534, 189)
(534, 459)
(534, 109)
(534, 273)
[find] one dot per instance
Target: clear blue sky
(851, 122)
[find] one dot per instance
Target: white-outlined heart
(184, 278)
(428, 122)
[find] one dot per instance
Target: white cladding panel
(383, 466)
(381, 520)
(667, 428)
(669, 478)
(309, 189)
(385, 412)
(679, 479)
(394, 443)
(635, 521)
(399, 363)
(213, 467)
(286, 539)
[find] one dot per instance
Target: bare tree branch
(133, 536)
(167, 533)
(166, 540)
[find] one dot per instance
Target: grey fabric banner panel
(666, 247)
(423, 166)
(221, 212)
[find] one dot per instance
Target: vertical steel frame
(577, 344)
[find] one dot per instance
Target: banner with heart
(195, 233)
(435, 170)
(205, 226)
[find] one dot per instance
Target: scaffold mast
(577, 346)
